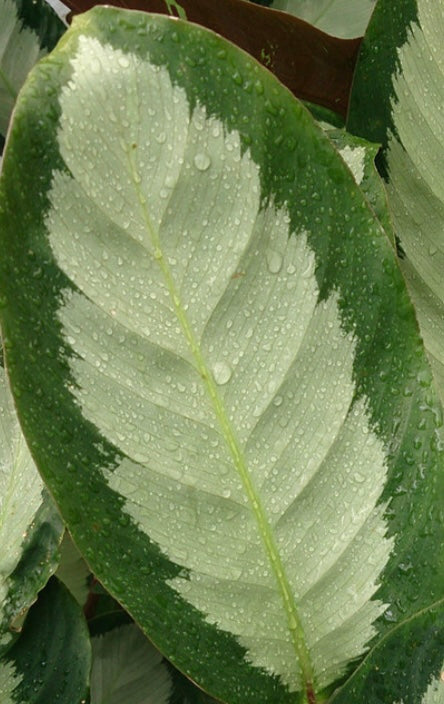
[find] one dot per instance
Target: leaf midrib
(295, 626)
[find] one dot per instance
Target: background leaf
(95, 327)
(30, 531)
(405, 101)
(27, 30)
(342, 18)
(314, 66)
(126, 667)
(73, 570)
(51, 659)
(360, 155)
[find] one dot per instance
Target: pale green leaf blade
(360, 155)
(50, 661)
(30, 531)
(26, 31)
(19, 50)
(341, 18)
(195, 334)
(126, 667)
(411, 128)
(73, 570)
(221, 311)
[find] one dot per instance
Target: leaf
(407, 96)
(342, 18)
(313, 65)
(360, 155)
(126, 667)
(384, 676)
(30, 531)
(216, 313)
(20, 48)
(50, 661)
(73, 570)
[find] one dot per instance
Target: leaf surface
(342, 18)
(30, 531)
(20, 48)
(405, 101)
(73, 570)
(384, 676)
(314, 66)
(221, 311)
(126, 667)
(51, 659)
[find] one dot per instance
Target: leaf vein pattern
(217, 307)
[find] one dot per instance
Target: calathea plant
(223, 337)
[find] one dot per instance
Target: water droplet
(124, 61)
(274, 261)
(202, 161)
(222, 373)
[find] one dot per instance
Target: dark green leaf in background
(50, 661)
(30, 525)
(27, 31)
(398, 98)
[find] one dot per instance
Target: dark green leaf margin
(357, 261)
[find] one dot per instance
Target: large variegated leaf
(51, 659)
(221, 376)
(342, 18)
(30, 530)
(20, 47)
(398, 98)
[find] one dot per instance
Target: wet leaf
(30, 531)
(400, 80)
(25, 32)
(313, 65)
(253, 437)
(51, 659)
(341, 18)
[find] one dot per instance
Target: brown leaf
(313, 65)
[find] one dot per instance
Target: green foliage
(209, 308)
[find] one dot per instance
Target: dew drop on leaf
(202, 161)
(274, 261)
(222, 373)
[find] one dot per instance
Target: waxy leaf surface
(30, 526)
(313, 65)
(342, 18)
(22, 42)
(218, 310)
(51, 659)
(397, 100)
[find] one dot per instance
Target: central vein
(294, 624)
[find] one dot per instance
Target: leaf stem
(295, 626)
